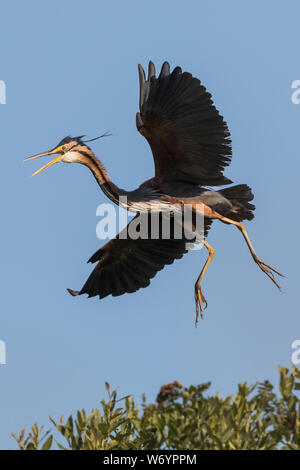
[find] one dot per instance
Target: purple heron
(191, 147)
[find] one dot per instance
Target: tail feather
(239, 196)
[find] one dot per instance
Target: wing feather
(189, 139)
(126, 265)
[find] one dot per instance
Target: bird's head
(69, 150)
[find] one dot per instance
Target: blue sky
(71, 68)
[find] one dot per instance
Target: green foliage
(184, 418)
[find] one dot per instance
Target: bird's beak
(50, 152)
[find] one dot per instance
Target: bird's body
(191, 146)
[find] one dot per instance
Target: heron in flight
(191, 147)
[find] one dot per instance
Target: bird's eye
(63, 148)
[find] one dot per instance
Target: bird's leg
(199, 297)
(268, 270)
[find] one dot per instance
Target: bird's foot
(269, 271)
(200, 300)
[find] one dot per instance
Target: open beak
(50, 152)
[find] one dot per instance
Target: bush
(184, 418)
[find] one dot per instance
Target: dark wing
(126, 265)
(207, 225)
(189, 139)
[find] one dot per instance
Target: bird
(191, 146)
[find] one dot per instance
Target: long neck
(88, 158)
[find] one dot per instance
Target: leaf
(48, 443)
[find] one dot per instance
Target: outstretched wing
(126, 265)
(189, 139)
